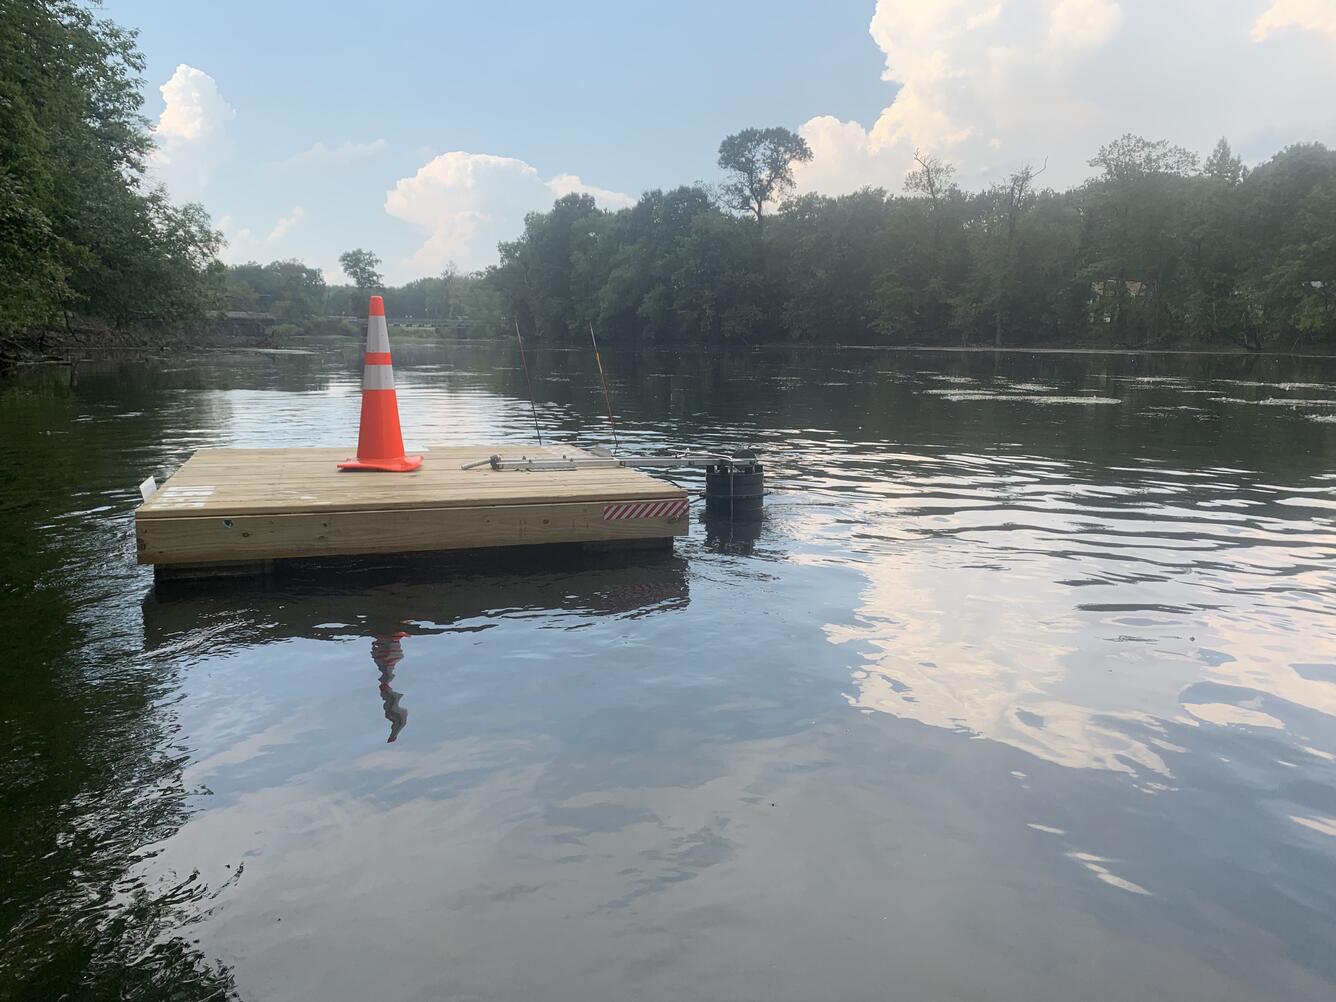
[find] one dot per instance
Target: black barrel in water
(735, 489)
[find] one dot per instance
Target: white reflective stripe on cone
(377, 334)
(378, 377)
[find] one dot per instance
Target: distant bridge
(266, 319)
(412, 321)
(263, 318)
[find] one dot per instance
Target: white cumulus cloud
(467, 202)
(241, 245)
(566, 184)
(993, 84)
(232, 232)
(1307, 15)
(321, 155)
(285, 223)
(1082, 24)
(190, 139)
(246, 244)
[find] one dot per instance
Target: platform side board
(212, 538)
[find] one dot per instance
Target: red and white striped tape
(645, 509)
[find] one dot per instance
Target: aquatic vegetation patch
(958, 396)
(1278, 386)
(1296, 403)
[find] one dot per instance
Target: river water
(1024, 689)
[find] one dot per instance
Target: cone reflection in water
(380, 442)
(387, 652)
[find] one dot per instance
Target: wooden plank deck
(230, 505)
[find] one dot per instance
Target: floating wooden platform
(240, 507)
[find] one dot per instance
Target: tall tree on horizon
(760, 165)
(360, 266)
(1223, 165)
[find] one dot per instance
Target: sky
(425, 132)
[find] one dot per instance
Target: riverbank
(1318, 351)
(86, 339)
(92, 339)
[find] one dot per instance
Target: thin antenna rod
(528, 385)
(604, 380)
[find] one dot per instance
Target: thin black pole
(524, 364)
(604, 380)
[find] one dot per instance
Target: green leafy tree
(298, 291)
(831, 252)
(476, 304)
(554, 271)
(760, 164)
(1288, 278)
(80, 232)
(931, 178)
(361, 268)
(1223, 166)
(922, 279)
(1137, 210)
(290, 290)
(996, 292)
(637, 292)
(436, 298)
(1214, 304)
(716, 293)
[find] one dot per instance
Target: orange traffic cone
(380, 443)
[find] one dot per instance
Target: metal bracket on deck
(605, 462)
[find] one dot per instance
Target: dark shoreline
(54, 346)
(85, 339)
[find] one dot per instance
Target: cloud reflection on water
(1035, 611)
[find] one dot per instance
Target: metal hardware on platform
(682, 460)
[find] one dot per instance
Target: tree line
(297, 294)
(1157, 247)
